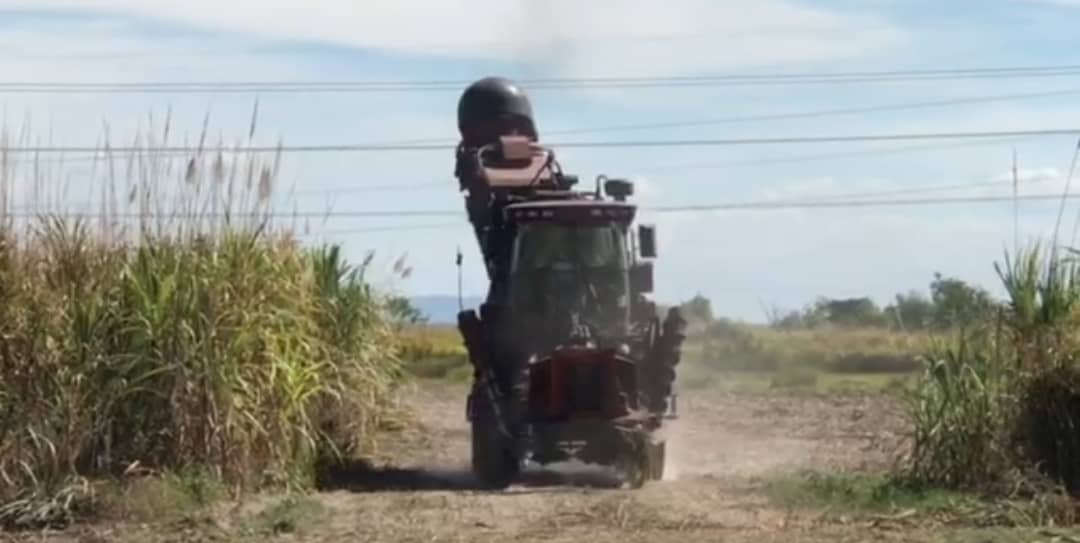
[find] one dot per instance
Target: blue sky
(742, 260)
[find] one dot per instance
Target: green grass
(892, 498)
(295, 514)
(795, 381)
(168, 497)
(726, 345)
(434, 352)
(832, 359)
(862, 494)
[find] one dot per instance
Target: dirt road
(721, 449)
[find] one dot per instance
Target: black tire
(657, 452)
(494, 461)
(633, 461)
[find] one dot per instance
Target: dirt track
(722, 443)
(717, 449)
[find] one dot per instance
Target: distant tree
(402, 310)
(911, 311)
(957, 303)
(848, 312)
(697, 309)
(791, 320)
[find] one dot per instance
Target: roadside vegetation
(831, 345)
(177, 330)
(994, 412)
(998, 405)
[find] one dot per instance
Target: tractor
(570, 358)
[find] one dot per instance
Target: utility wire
(723, 120)
(444, 185)
(545, 83)
(819, 113)
(374, 188)
(702, 142)
(812, 114)
(854, 203)
(789, 159)
(758, 205)
(921, 189)
(397, 228)
(780, 159)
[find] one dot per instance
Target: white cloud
(1065, 3)
(563, 36)
(1031, 176)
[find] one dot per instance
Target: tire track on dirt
(722, 443)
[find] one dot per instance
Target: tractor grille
(588, 384)
(580, 386)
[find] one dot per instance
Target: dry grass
(173, 322)
(435, 352)
(438, 352)
(741, 347)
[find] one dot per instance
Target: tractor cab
(569, 271)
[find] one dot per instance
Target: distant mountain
(443, 309)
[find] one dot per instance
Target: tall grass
(998, 407)
(177, 325)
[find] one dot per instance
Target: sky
(748, 262)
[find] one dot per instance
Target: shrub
(731, 346)
(874, 363)
(999, 404)
(959, 408)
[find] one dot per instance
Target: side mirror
(647, 241)
(641, 277)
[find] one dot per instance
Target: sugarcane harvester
(571, 358)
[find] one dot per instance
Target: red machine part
(579, 382)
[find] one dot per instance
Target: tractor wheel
(494, 462)
(633, 462)
(656, 460)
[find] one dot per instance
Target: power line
(734, 206)
(400, 228)
(545, 83)
(442, 185)
(782, 159)
(706, 142)
(790, 159)
(819, 113)
(728, 120)
(723, 120)
(373, 188)
(921, 189)
(902, 106)
(857, 203)
(702, 142)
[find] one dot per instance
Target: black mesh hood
(490, 102)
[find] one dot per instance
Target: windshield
(569, 276)
(559, 247)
